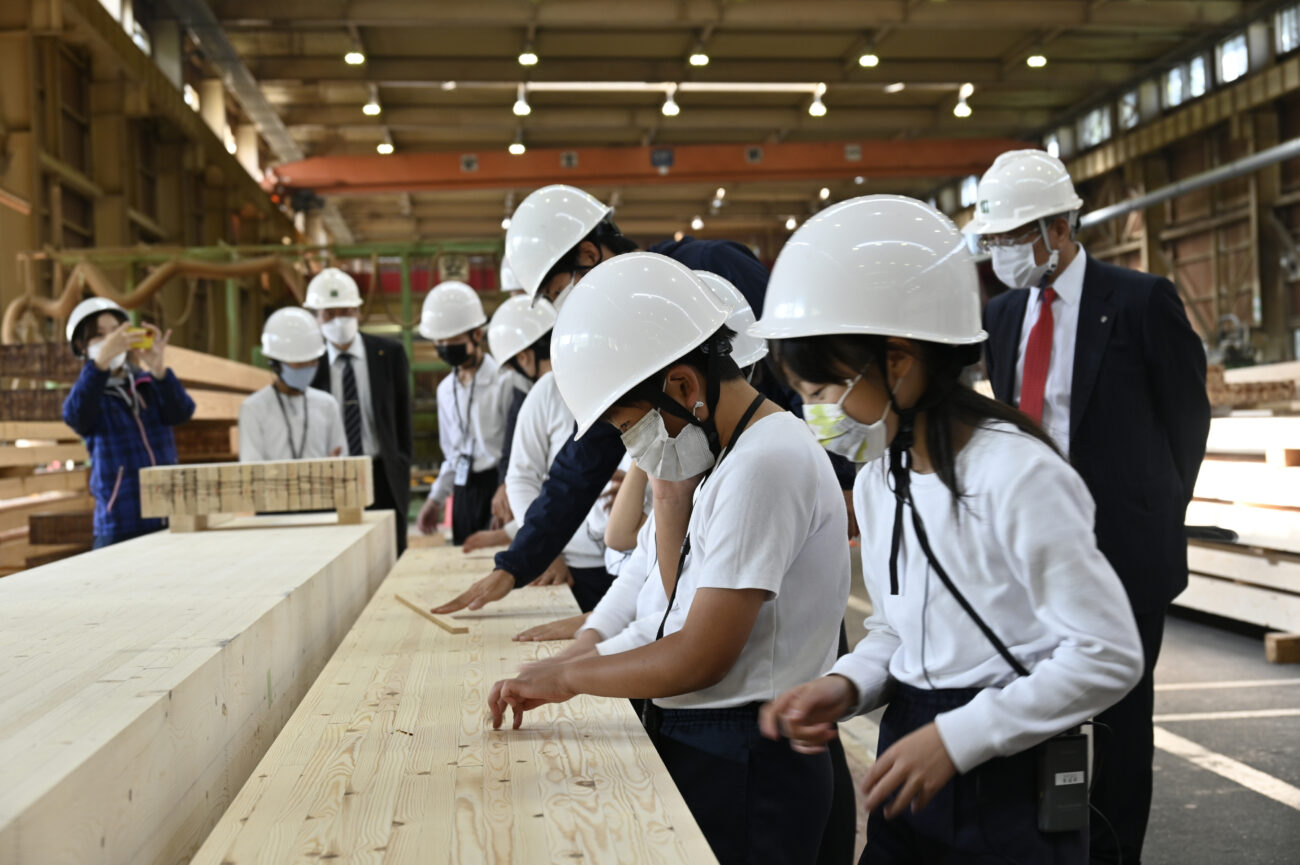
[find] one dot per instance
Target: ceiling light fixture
(670, 107)
(697, 223)
(896, 87)
(371, 109)
(967, 91)
(818, 108)
(721, 193)
(791, 224)
(449, 85)
(521, 107)
(505, 223)
(1036, 61)
(961, 109)
(354, 58)
(517, 148)
(385, 148)
(528, 57)
(699, 57)
(825, 193)
(869, 59)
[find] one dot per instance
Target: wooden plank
(1252, 436)
(44, 482)
(26, 554)
(37, 429)
(1266, 528)
(1244, 603)
(39, 405)
(42, 454)
(72, 527)
(1282, 648)
(14, 513)
(390, 758)
(208, 370)
(1289, 371)
(1249, 483)
(342, 483)
(216, 404)
(447, 623)
(140, 684)
(1268, 568)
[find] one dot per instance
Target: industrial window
(969, 190)
(1173, 90)
(1286, 30)
(1052, 144)
(1128, 110)
(74, 109)
(1234, 58)
(1197, 77)
(1094, 127)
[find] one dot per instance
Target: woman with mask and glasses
(289, 419)
(997, 626)
(750, 525)
(473, 401)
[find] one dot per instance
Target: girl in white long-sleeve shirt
(972, 503)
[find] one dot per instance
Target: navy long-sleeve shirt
(583, 467)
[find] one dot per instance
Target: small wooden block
(448, 624)
(1283, 457)
(1282, 648)
(186, 523)
(350, 516)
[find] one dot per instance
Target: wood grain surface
(391, 758)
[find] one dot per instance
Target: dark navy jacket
(123, 439)
(1139, 417)
(583, 467)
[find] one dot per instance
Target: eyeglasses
(1006, 239)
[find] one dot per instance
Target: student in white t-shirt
(997, 625)
(289, 419)
(642, 345)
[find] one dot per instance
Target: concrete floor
(1199, 816)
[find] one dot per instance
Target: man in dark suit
(1105, 359)
(370, 377)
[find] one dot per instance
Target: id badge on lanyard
(463, 463)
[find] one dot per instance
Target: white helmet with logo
(91, 307)
(516, 325)
(880, 264)
(291, 335)
(630, 317)
(452, 308)
(546, 225)
(332, 289)
(746, 350)
(1022, 186)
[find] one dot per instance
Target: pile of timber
(1252, 387)
(391, 756)
(1249, 483)
(189, 495)
(44, 504)
(141, 683)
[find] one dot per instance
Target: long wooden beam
(342, 175)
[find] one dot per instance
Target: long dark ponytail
(948, 401)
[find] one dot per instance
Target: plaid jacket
(122, 439)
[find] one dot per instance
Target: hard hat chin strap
(714, 349)
(1054, 259)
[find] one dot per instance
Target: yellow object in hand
(139, 339)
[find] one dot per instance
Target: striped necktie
(351, 408)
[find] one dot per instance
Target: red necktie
(1038, 356)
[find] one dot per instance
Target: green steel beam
(408, 338)
(232, 314)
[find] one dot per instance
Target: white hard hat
(746, 350)
(1020, 187)
(332, 289)
(516, 325)
(292, 335)
(452, 308)
(87, 308)
(880, 264)
(630, 317)
(547, 224)
(509, 282)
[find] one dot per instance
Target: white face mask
(666, 457)
(341, 330)
(1015, 266)
(114, 364)
(297, 378)
(841, 434)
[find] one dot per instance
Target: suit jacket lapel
(1008, 348)
(1096, 318)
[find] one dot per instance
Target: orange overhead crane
(630, 166)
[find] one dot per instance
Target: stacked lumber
(391, 756)
(1250, 387)
(1249, 483)
(43, 474)
(189, 494)
(49, 361)
(141, 683)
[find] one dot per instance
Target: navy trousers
(757, 801)
(589, 586)
(989, 815)
(471, 505)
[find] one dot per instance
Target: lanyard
(686, 542)
(297, 452)
(468, 420)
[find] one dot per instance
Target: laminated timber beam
(391, 754)
(141, 683)
(343, 175)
